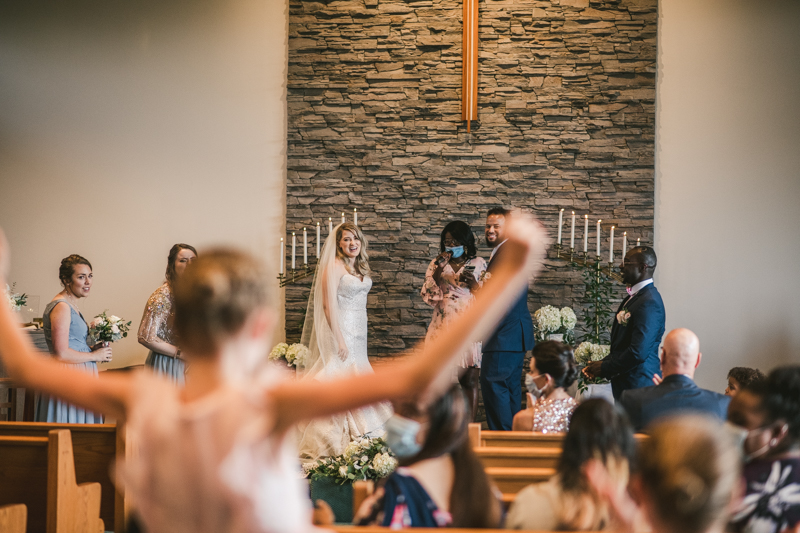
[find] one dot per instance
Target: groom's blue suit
(633, 358)
(503, 357)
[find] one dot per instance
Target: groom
(504, 351)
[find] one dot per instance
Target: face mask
(532, 387)
(457, 251)
(401, 436)
(740, 435)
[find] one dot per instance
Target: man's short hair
(648, 255)
(501, 211)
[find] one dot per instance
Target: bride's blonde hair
(361, 263)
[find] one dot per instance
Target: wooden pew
(13, 518)
(508, 439)
(95, 447)
(376, 529)
(518, 457)
(40, 473)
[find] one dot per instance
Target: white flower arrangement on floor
(551, 319)
(586, 353)
(104, 328)
(15, 301)
(364, 458)
(293, 355)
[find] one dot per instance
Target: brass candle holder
(294, 276)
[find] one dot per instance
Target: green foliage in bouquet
(104, 328)
(364, 458)
(15, 301)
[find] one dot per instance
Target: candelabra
(293, 276)
(583, 260)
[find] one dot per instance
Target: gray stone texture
(566, 120)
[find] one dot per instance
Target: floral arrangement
(551, 319)
(293, 355)
(15, 301)
(585, 353)
(106, 328)
(364, 458)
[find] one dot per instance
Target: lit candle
(305, 246)
(294, 244)
(637, 242)
(342, 218)
(317, 240)
(611, 246)
(283, 255)
(585, 233)
(355, 216)
(598, 238)
(330, 225)
(560, 222)
(572, 233)
(624, 244)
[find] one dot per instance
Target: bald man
(677, 392)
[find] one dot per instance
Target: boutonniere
(623, 316)
(485, 275)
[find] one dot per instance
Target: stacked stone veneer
(567, 119)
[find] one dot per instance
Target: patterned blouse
(552, 416)
(158, 318)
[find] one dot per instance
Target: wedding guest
(740, 377)
(450, 281)
(66, 332)
(637, 329)
(687, 479)
(216, 455)
(676, 392)
(156, 332)
(566, 502)
(768, 411)
(504, 351)
(552, 371)
(440, 481)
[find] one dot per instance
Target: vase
(339, 497)
(555, 337)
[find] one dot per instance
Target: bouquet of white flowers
(585, 353)
(15, 301)
(293, 355)
(551, 319)
(363, 458)
(106, 328)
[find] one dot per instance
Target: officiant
(637, 328)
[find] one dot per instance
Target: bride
(335, 331)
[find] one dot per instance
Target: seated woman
(687, 479)
(441, 482)
(553, 369)
(768, 411)
(567, 502)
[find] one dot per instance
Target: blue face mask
(401, 436)
(457, 251)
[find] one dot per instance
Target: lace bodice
(352, 293)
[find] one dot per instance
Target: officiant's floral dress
(449, 298)
(157, 325)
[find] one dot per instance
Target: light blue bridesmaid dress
(49, 408)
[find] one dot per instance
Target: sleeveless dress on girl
(326, 437)
(157, 325)
(210, 466)
(49, 408)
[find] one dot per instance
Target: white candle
(624, 244)
(598, 238)
(342, 218)
(317, 240)
(611, 246)
(330, 225)
(585, 233)
(572, 233)
(355, 216)
(305, 246)
(283, 255)
(294, 244)
(637, 242)
(560, 222)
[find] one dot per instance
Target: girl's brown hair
(67, 268)
(173, 255)
(362, 261)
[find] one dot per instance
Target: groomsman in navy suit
(637, 328)
(504, 351)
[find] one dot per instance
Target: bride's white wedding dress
(325, 437)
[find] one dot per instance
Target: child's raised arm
(29, 368)
(422, 376)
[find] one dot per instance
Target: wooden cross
(469, 64)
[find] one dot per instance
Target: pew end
(13, 518)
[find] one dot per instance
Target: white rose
(343, 471)
(114, 319)
(115, 329)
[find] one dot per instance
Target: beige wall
(128, 126)
(728, 179)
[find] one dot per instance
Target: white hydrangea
(600, 351)
(384, 464)
(297, 354)
(343, 471)
(279, 351)
(548, 319)
(568, 318)
(586, 352)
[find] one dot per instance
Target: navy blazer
(676, 394)
(514, 333)
(633, 358)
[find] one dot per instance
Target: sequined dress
(157, 326)
(552, 416)
(329, 436)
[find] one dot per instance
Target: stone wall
(567, 119)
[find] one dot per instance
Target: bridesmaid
(156, 330)
(65, 331)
